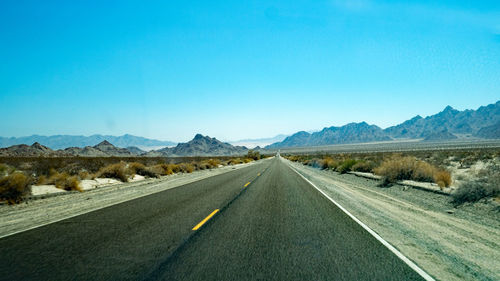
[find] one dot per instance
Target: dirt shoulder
(34, 213)
(449, 243)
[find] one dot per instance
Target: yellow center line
(246, 184)
(205, 220)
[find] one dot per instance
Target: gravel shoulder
(449, 243)
(35, 213)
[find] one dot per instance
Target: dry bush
(235, 161)
(473, 191)
(84, 175)
(247, 160)
(13, 187)
(487, 185)
(162, 169)
(410, 168)
(114, 171)
(328, 163)
(4, 169)
(442, 178)
(186, 167)
(364, 166)
(141, 169)
(62, 181)
(214, 162)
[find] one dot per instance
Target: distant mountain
(446, 125)
(135, 150)
(252, 143)
(65, 141)
(104, 148)
(201, 146)
(350, 133)
(450, 120)
(23, 150)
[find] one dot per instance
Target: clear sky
(240, 69)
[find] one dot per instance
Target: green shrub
(255, 155)
(346, 166)
(13, 187)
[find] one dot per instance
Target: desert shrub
(315, 163)
(255, 155)
(363, 166)
(410, 168)
(141, 169)
(214, 163)
(235, 161)
(247, 160)
(422, 171)
(4, 169)
(41, 180)
(84, 175)
(63, 181)
(114, 171)
(346, 166)
(442, 178)
(186, 167)
(162, 169)
(328, 163)
(473, 191)
(13, 187)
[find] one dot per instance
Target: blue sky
(235, 70)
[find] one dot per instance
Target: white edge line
(411, 264)
(114, 203)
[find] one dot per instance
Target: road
(267, 223)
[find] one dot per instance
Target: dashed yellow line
(246, 184)
(205, 220)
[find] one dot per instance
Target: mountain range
(446, 125)
(199, 146)
(64, 141)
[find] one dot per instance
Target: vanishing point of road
(262, 222)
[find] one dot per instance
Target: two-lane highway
(263, 222)
(121, 242)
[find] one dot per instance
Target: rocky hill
(201, 146)
(33, 150)
(104, 148)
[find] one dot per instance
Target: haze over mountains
(446, 125)
(64, 141)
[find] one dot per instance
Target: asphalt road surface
(263, 222)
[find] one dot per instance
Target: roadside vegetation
(474, 174)
(17, 174)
